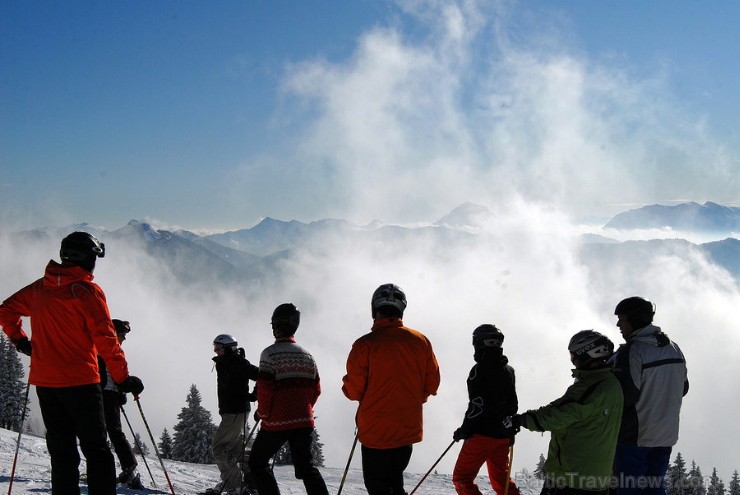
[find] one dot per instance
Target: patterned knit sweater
(287, 386)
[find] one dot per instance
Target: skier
(233, 373)
(492, 397)
(71, 325)
(288, 386)
(584, 422)
(113, 401)
(652, 371)
(404, 374)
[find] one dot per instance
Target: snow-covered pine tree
(140, 447)
(677, 478)
(165, 445)
(317, 449)
(716, 485)
(283, 456)
(12, 386)
(539, 471)
(696, 481)
(194, 432)
(734, 487)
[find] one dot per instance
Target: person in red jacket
(71, 326)
(404, 374)
(288, 387)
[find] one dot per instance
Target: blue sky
(213, 115)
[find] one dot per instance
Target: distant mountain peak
(690, 216)
(466, 215)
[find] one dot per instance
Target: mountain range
(260, 251)
(689, 217)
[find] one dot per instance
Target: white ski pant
(227, 449)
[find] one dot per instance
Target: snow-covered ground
(32, 475)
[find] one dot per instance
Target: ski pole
(431, 468)
(18, 442)
(154, 444)
(244, 448)
(349, 460)
(251, 432)
(508, 471)
(138, 446)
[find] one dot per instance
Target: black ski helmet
(80, 246)
(225, 340)
(589, 346)
(121, 326)
(638, 311)
(388, 295)
(285, 319)
(487, 336)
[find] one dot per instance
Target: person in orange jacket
(404, 374)
(71, 326)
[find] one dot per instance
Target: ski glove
(131, 384)
(460, 434)
(513, 423)
(23, 345)
(122, 398)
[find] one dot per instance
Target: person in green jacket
(584, 422)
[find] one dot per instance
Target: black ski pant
(382, 469)
(70, 413)
(266, 446)
(112, 408)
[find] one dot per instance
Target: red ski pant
(479, 449)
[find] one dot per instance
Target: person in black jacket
(113, 401)
(492, 397)
(233, 373)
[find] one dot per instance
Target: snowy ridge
(33, 474)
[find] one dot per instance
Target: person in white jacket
(652, 371)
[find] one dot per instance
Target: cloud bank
(471, 101)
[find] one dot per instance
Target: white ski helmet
(590, 345)
(225, 340)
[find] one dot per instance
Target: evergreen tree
(12, 386)
(165, 445)
(716, 486)
(539, 471)
(734, 488)
(696, 481)
(677, 478)
(194, 432)
(317, 449)
(283, 456)
(140, 447)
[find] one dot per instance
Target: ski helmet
(225, 340)
(388, 295)
(81, 246)
(121, 326)
(487, 336)
(588, 346)
(285, 319)
(638, 311)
